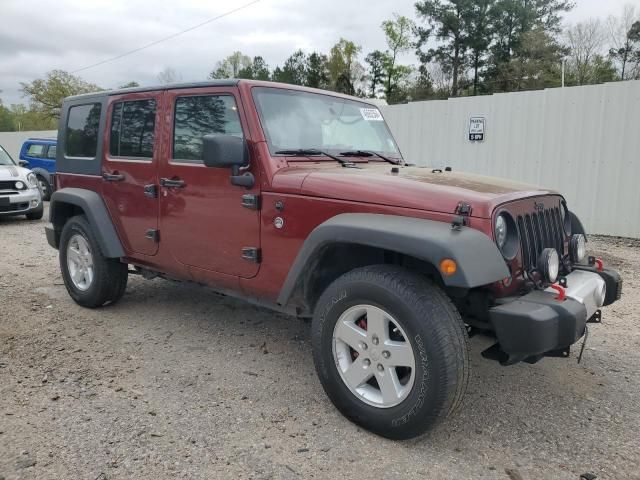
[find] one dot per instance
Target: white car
(19, 190)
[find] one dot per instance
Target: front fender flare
(96, 211)
(478, 259)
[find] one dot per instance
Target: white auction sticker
(371, 114)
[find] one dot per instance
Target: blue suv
(40, 155)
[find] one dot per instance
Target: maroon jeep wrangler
(299, 200)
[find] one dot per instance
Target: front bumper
(535, 324)
(20, 203)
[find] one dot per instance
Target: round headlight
(500, 230)
(20, 185)
(549, 264)
(578, 248)
(505, 233)
(32, 179)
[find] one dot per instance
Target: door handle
(172, 183)
(112, 177)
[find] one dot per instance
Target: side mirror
(224, 151)
(23, 163)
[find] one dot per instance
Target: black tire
(437, 336)
(36, 214)
(45, 188)
(110, 275)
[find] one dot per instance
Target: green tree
(625, 40)
(479, 30)
(446, 22)
(376, 61)
(30, 119)
(293, 71)
(132, 84)
(46, 95)
(6, 119)
(317, 72)
(399, 36)
(343, 66)
(230, 67)
(257, 70)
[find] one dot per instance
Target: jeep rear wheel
(91, 279)
(390, 350)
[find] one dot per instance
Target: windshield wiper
(315, 151)
(371, 153)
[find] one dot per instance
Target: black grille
(13, 207)
(540, 230)
(8, 185)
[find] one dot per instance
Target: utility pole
(564, 60)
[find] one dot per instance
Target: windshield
(5, 158)
(294, 120)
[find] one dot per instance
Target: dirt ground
(176, 381)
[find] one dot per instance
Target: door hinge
(251, 201)
(153, 235)
(151, 191)
(461, 217)
(252, 254)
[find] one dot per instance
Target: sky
(37, 36)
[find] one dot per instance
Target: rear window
(81, 136)
(35, 150)
(132, 129)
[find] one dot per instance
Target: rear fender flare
(96, 212)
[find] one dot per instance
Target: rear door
(129, 169)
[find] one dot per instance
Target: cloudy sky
(40, 35)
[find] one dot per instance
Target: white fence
(582, 141)
(12, 141)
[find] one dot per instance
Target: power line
(117, 57)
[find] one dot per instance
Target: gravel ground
(178, 382)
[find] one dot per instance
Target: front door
(203, 222)
(129, 169)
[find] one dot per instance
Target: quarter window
(81, 136)
(198, 116)
(132, 129)
(35, 150)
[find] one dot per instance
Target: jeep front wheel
(390, 350)
(91, 279)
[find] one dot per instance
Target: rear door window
(51, 153)
(132, 129)
(202, 115)
(35, 150)
(81, 135)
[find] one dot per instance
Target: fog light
(577, 248)
(34, 203)
(549, 264)
(20, 185)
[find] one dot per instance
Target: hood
(412, 187)
(13, 172)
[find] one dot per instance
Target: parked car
(40, 155)
(300, 200)
(19, 190)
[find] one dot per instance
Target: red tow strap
(561, 292)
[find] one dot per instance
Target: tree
(398, 33)
(317, 72)
(625, 39)
(344, 69)
(257, 70)
(6, 119)
(46, 95)
(132, 84)
(376, 61)
(478, 23)
(446, 22)
(169, 75)
(230, 67)
(293, 71)
(585, 41)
